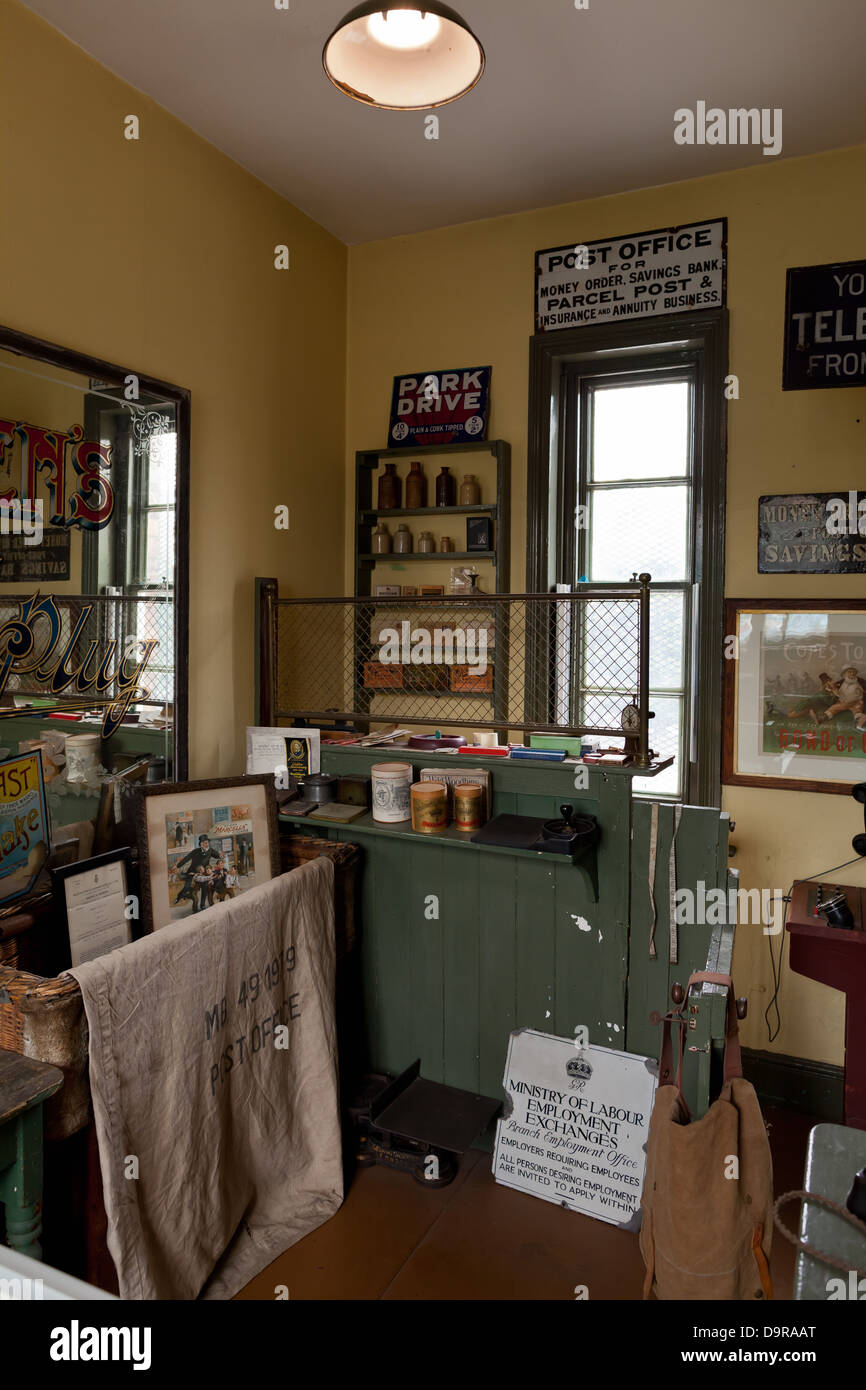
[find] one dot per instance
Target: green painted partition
(462, 943)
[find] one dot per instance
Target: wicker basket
(297, 848)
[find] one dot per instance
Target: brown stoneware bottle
(445, 489)
(390, 489)
(416, 488)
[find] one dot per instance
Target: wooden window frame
(701, 342)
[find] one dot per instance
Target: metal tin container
(429, 807)
(468, 806)
(353, 791)
(320, 788)
(391, 783)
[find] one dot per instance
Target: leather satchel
(708, 1192)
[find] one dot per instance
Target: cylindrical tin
(391, 783)
(82, 758)
(468, 803)
(483, 738)
(429, 807)
(320, 787)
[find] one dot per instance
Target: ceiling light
(403, 28)
(403, 58)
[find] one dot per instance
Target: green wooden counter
(461, 943)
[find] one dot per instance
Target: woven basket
(297, 849)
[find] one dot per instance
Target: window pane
(666, 640)
(159, 557)
(638, 529)
(665, 736)
(640, 431)
(603, 712)
(161, 482)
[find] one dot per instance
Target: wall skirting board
(816, 1087)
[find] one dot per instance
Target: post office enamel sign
(575, 1125)
(673, 270)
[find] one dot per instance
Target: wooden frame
(42, 351)
(733, 609)
(239, 789)
(699, 341)
(60, 877)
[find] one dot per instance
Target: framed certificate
(97, 903)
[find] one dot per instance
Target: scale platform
(421, 1127)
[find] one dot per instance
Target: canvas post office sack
(708, 1192)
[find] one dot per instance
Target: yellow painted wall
(158, 255)
(462, 296)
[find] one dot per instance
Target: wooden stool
(24, 1086)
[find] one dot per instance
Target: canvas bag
(705, 1235)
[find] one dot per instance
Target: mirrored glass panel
(93, 570)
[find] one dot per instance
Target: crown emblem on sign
(575, 1067)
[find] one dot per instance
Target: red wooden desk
(837, 958)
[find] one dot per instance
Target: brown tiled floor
(393, 1239)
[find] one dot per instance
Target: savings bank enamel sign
(444, 407)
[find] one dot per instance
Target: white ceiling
(573, 104)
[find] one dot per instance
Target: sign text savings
(52, 452)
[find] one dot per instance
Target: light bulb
(405, 29)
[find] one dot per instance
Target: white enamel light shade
(403, 57)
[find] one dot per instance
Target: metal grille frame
(563, 663)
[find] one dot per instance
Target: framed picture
(202, 843)
(386, 590)
(431, 590)
(795, 694)
(97, 903)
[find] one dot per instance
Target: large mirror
(94, 560)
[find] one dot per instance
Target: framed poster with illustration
(202, 843)
(795, 694)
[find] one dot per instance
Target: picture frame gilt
(203, 842)
(794, 706)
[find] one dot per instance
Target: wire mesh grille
(564, 663)
(98, 636)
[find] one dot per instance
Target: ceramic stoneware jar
(470, 492)
(391, 783)
(446, 545)
(403, 540)
(416, 488)
(380, 543)
(426, 543)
